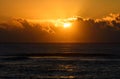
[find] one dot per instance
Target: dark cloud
(83, 30)
(100, 30)
(20, 30)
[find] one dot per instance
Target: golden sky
(49, 9)
(59, 21)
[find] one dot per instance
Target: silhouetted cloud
(20, 30)
(84, 30)
(101, 30)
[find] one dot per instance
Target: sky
(86, 21)
(57, 8)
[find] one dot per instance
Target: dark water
(38, 61)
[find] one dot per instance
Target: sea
(59, 61)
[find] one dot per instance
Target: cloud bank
(100, 30)
(83, 30)
(20, 30)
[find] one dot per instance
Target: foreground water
(36, 68)
(91, 61)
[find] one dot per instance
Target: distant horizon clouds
(83, 30)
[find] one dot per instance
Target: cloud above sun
(82, 30)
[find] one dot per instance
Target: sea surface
(59, 61)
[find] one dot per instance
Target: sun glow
(67, 25)
(61, 22)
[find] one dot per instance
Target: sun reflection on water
(69, 68)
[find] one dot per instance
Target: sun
(67, 25)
